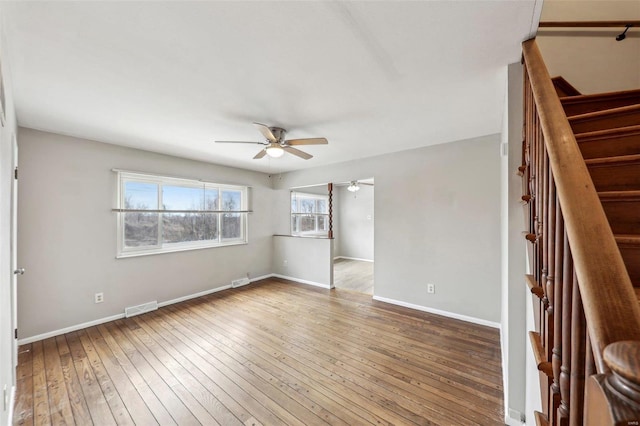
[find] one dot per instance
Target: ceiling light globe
(353, 187)
(274, 151)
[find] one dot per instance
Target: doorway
(353, 260)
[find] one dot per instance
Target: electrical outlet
(431, 288)
(99, 297)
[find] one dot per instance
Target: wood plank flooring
(354, 275)
(270, 353)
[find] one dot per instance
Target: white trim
(512, 422)
(113, 317)
(76, 327)
(11, 402)
(261, 277)
(193, 296)
(353, 258)
(439, 312)
(301, 281)
(177, 248)
(505, 368)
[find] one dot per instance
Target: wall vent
(240, 282)
(140, 309)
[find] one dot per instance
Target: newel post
(614, 398)
(330, 189)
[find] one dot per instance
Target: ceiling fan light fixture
(274, 151)
(353, 186)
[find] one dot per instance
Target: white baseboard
(512, 422)
(12, 400)
(353, 258)
(439, 312)
(262, 277)
(113, 317)
(193, 296)
(301, 281)
(76, 327)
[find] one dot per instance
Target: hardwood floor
(354, 275)
(269, 353)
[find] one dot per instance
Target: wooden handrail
(587, 24)
(605, 287)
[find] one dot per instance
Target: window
(158, 214)
(309, 214)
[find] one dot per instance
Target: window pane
(197, 222)
(141, 196)
(295, 228)
(231, 226)
(323, 224)
(307, 223)
(231, 200)
(307, 205)
(182, 198)
(293, 204)
(181, 227)
(209, 226)
(211, 197)
(322, 206)
(140, 229)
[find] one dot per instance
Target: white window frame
(305, 195)
(125, 176)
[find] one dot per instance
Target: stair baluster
(586, 312)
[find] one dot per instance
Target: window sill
(317, 237)
(126, 254)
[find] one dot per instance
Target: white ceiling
(171, 77)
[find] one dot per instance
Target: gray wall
(355, 222)
(67, 234)
(593, 63)
(437, 220)
(304, 259)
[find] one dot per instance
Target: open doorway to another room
(353, 244)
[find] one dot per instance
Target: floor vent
(140, 309)
(240, 282)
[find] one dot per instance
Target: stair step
(534, 288)
(629, 246)
(623, 210)
(609, 119)
(539, 354)
(615, 173)
(564, 88)
(610, 142)
(628, 239)
(575, 105)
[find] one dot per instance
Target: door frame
(14, 248)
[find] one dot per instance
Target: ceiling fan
(275, 144)
(354, 185)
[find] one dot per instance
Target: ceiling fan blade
(260, 154)
(259, 143)
(309, 141)
(297, 152)
(266, 132)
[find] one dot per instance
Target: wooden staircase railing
(587, 337)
